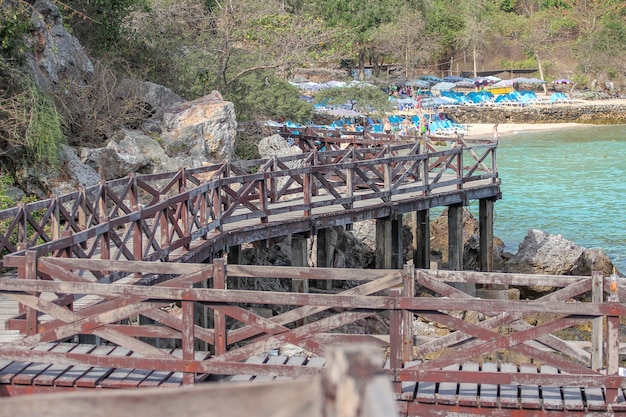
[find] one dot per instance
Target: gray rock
(544, 253)
(57, 55)
(276, 145)
(205, 126)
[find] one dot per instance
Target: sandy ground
(481, 131)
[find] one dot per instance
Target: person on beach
(387, 126)
(495, 131)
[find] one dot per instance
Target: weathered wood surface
(150, 217)
(447, 371)
(353, 387)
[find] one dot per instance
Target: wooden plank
(272, 360)
(156, 378)
(409, 387)
(293, 361)
(27, 374)
(468, 392)
(509, 396)
(115, 378)
(489, 392)
(551, 395)
(176, 379)
(316, 362)
(301, 398)
(134, 378)
(595, 399)
(72, 375)
(529, 394)
(621, 401)
(573, 399)
(258, 359)
(54, 371)
(92, 378)
(446, 393)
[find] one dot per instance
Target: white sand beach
(483, 131)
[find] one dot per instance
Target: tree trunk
(545, 89)
(474, 58)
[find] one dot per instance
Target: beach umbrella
(443, 86)
(453, 78)
(419, 83)
(524, 80)
(431, 78)
(504, 83)
(493, 78)
(340, 112)
(466, 83)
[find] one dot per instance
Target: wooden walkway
(92, 263)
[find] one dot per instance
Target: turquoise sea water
(570, 182)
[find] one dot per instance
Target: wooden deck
(19, 377)
(91, 263)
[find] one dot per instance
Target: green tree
(99, 24)
(261, 96)
(406, 41)
(364, 98)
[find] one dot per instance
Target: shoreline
(485, 130)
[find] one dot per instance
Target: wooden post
(397, 246)
(233, 258)
(408, 279)
(30, 272)
(188, 339)
(485, 225)
(355, 385)
(219, 319)
(384, 237)
(421, 258)
(325, 254)
(395, 339)
(597, 293)
(455, 245)
(299, 257)
(55, 219)
(612, 348)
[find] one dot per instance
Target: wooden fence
(149, 217)
(529, 333)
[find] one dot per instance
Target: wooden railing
(530, 329)
(147, 217)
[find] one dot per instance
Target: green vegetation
(249, 49)
(365, 99)
(30, 126)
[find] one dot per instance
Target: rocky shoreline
(580, 112)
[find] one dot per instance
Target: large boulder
(57, 55)
(544, 253)
(276, 145)
(205, 126)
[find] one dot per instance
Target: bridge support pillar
(421, 239)
(234, 258)
(389, 243)
(485, 226)
(299, 257)
(325, 254)
(455, 246)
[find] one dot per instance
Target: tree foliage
(363, 98)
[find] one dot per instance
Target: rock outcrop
(544, 253)
(205, 127)
(579, 113)
(57, 55)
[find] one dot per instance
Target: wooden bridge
(122, 263)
